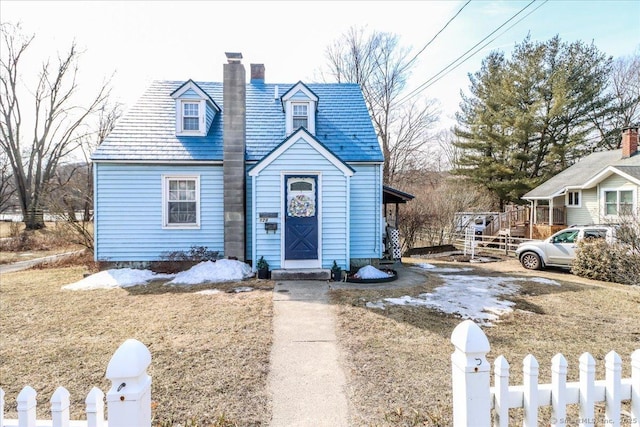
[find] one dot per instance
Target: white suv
(559, 250)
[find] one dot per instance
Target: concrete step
(301, 274)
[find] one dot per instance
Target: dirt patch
(210, 353)
(397, 359)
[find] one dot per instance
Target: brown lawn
(210, 353)
(397, 360)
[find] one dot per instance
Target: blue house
(291, 172)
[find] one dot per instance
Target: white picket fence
(474, 399)
(128, 399)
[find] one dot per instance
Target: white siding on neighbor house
(366, 211)
(302, 158)
(128, 212)
(587, 213)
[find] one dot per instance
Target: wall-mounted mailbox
(270, 226)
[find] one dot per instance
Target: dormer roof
(193, 86)
(299, 91)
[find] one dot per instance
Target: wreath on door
(302, 206)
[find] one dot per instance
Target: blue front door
(301, 218)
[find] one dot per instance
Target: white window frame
(202, 108)
(165, 201)
(634, 200)
(570, 201)
(311, 124)
(294, 116)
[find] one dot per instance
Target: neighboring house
(596, 190)
(291, 172)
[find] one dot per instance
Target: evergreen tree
(530, 116)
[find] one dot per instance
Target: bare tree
(71, 188)
(7, 187)
(59, 124)
(624, 107)
(380, 65)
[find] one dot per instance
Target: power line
(438, 33)
(446, 70)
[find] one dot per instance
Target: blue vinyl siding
(366, 211)
(128, 219)
(332, 185)
(248, 230)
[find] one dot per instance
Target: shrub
(599, 260)
(173, 262)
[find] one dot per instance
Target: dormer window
(190, 116)
(299, 105)
(195, 110)
(300, 116)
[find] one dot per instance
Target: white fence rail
(128, 399)
(474, 398)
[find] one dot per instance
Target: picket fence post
(60, 407)
(95, 408)
(26, 401)
(471, 376)
(129, 399)
(635, 388)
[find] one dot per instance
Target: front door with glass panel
(301, 221)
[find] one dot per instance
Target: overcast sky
(141, 41)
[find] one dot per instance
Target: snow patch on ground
(477, 298)
(435, 269)
(117, 278)
(223, 270)
(370, 272)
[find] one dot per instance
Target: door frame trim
(295, 264)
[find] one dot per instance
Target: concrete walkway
(23, 265)
(306, 380)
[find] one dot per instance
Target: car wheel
(530, 261)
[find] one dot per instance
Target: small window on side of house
(181, 201)
(573, 198)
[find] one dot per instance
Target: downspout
(348, 239)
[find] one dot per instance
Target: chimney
(629, 141)
(257, 73)
(234, 136)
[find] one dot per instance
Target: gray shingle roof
(147, 131)
(581, 172)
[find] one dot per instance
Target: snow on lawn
(370, 272)
(470, 297)
(116, 278)
(223, 270)
(220, 271)
(435, 269)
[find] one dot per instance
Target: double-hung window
(300, 116)
(181, 201)
(618, 202)
(190, 116)
(573, 199)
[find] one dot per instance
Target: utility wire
(437, 34)
(446, 70)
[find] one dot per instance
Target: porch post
(551, 211)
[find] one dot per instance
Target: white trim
(254, 224)
(299, 87)
(603, 200)
(607, 172)
(162, 162)
(289, 264)
(202, 117)
(165, 200)
(296, 137)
